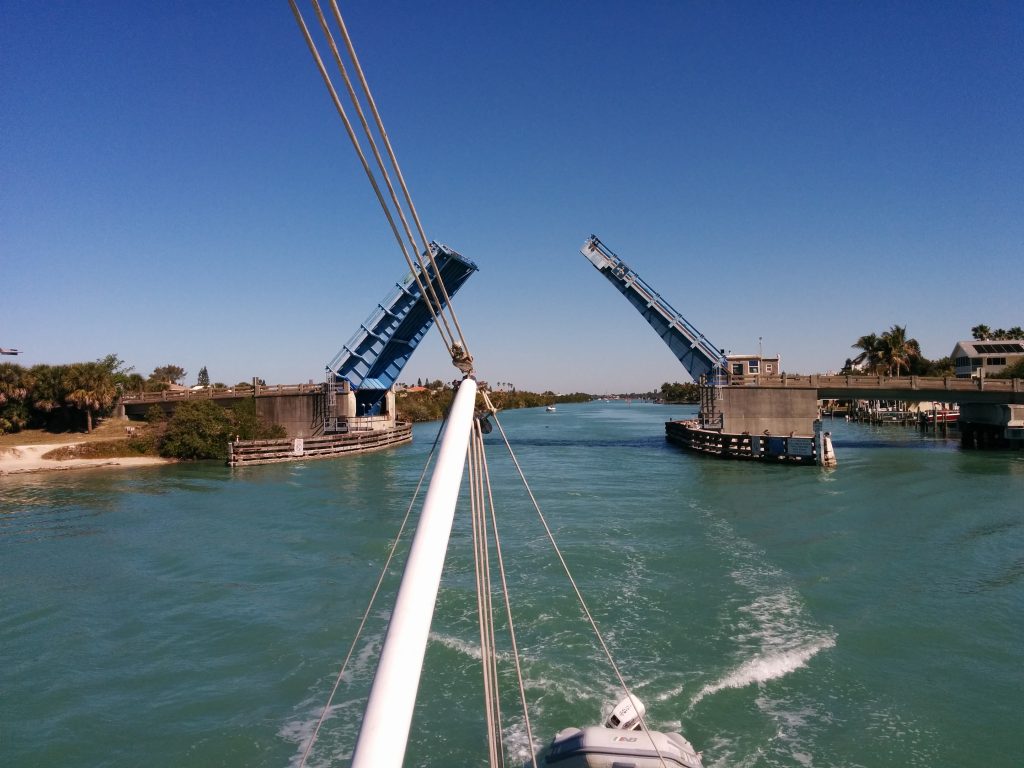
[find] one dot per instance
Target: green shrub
(199, 429)
(1012, 371)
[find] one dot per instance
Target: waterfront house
(978, 359)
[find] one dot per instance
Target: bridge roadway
(945, 389)
(219, 393)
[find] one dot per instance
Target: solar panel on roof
(988, 349)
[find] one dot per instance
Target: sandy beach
(22, 452)
(21, 459)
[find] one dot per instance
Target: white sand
(21, 459)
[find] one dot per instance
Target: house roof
(990, 347)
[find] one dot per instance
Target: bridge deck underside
(699, 356)
(375, 357)
(666, 326)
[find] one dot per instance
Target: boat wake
(761, 669)
(773, 633)
(472, 650)
(335, 743)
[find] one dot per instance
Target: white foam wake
(763, 668)
(472, 650)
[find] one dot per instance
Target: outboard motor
(626, 715)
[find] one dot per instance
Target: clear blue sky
(175, 186)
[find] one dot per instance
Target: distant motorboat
(550, 409)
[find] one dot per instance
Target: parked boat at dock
(939, 416)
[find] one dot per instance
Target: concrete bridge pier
(982, 437)
(775, 425)
(991, 426)
(756, 411)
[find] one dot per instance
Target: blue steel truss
(373, 358)
(698, 355)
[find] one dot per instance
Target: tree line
(71, 396)
(431, 404)
(680, 393)
(984, 333)
(894, 353)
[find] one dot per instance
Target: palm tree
(869, 357)
(49, 387)
(896, 350)
(1015, 333)
(981, 332)
(92, 389)
(15, 386)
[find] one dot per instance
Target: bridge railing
(907, 383)
(213, 393)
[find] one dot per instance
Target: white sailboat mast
(388, 716)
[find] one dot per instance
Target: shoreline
(28, 459)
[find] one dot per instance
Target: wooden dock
(247, 452)
(787, 449)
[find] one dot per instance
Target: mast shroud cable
(436, 298)
(376, 591)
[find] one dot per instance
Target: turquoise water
(193, 615)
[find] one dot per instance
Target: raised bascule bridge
(361, 377)
(353, 410)
(750, 409)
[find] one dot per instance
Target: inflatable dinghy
(621, 743)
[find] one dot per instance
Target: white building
(978, 359)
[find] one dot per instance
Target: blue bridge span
(372, 360)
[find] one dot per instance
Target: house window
(754, 366)
(737, 369)
(996, 361)
(769, 367)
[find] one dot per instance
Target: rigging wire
(436, 298)
(362, 158)
(376, 591)
(373, 145)
(394, 160)
(485, 607)
(486, 479)
(480, 488)
(568, 573)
